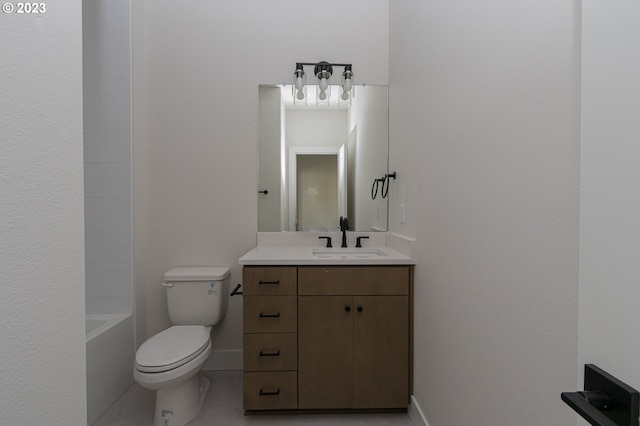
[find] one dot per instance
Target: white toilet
(169, 362)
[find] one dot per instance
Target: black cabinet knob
(359, 308)
(347, 308)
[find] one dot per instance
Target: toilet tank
(197, 295)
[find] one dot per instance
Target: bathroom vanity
(327, 333)
(326, 327)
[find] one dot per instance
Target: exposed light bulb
(322, 95)
(299, 83)
(323, 84)
(347, 82)
(300, 95)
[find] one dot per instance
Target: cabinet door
(325, 351)
(381, 351)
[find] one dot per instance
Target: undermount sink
(347, 253)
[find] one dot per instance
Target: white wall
(202, 64)
(610, 183)
(42, 357)
(484, 132)
(107, 155)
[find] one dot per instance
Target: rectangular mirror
(318, 163)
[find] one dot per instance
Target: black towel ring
(374, 188)
(384, 185)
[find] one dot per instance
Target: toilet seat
(172, 348)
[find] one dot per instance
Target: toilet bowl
(169, 362)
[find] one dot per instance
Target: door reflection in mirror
(317, 192)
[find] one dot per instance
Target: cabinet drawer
(270, 391)
(270, 352)
(353, 280)
(269, 281)
(270, 314)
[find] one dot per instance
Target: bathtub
(110, 355)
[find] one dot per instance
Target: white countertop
(304, 255)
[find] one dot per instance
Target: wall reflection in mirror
(318, 163)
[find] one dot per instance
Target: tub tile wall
(107, 156)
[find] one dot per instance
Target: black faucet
(344, 227)
(359, 240)
(328, 240)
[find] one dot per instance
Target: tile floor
(223, 407)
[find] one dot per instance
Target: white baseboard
(415, 414)
(224, 360)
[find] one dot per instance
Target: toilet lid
(172, 348)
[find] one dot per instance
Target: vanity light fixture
(323, 71)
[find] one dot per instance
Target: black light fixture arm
(324, 63)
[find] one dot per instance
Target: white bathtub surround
(109, 358)
(107, 156)
(107, 195)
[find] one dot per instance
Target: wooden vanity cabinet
(270, 341)
(353, 337)
(327, 337)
